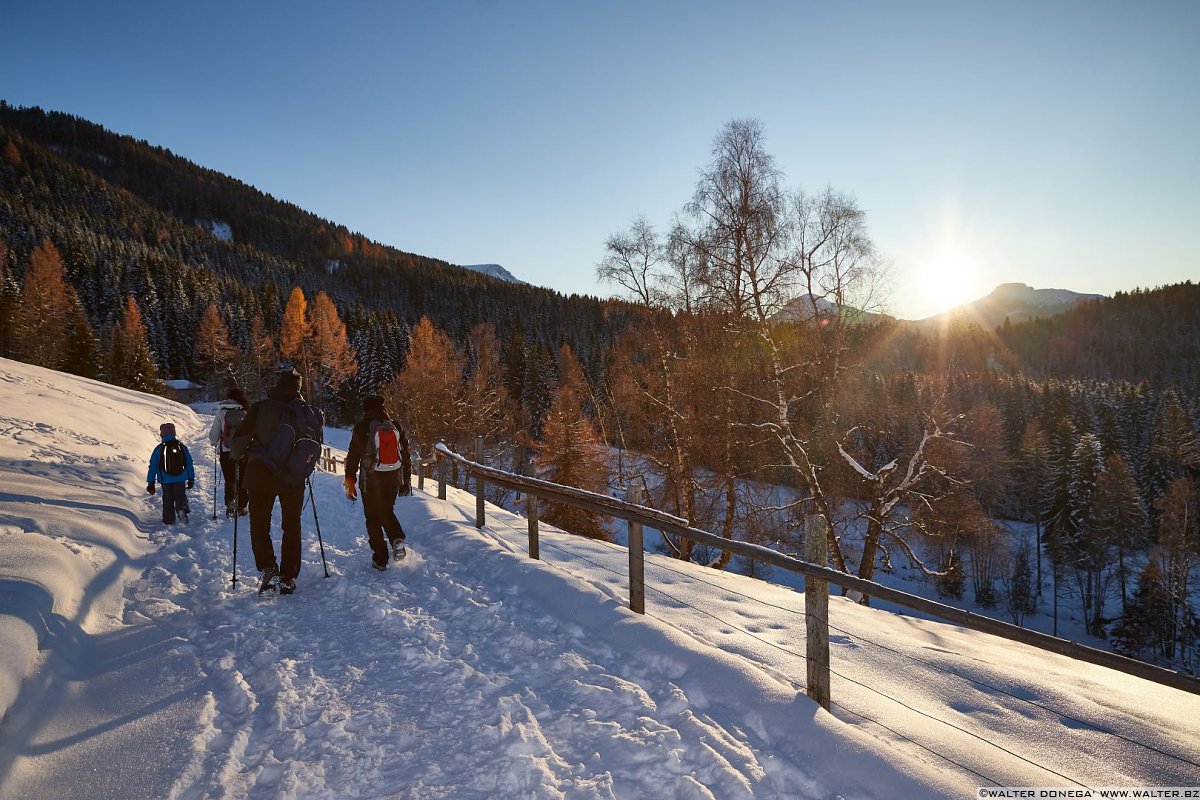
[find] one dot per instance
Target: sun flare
(949, 280)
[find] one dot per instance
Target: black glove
(191, 483)
(149, 488)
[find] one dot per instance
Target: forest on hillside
(129, 219)
(912, 444)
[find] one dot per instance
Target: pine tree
(130, 362)
(41, 321)
(83, 355)
(1071, 535)
(489, 410)
(1146, 623)
(295, 333)
(262, 357)
(1034, 481)
(1020, 595)
(333, 359)
(428, 390)
(10, 292)
(570, 451)
(1179, 550)
(1174, 448)
(1119, 518)
(215, 353)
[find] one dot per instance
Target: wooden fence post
(420, 469)
(479, 483)
(531, 513)
(443, 470)
(816, 610)
(637, 562)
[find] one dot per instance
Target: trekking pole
(217, 459)
(317, 522)
(237, 485)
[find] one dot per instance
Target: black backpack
(173, 458)
(289, 435)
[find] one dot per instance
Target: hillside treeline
(132, 220)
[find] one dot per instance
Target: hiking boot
(183, 517)
(398, 551)
(268, 579)
(230, 510)
(287, 585)
(381, 566)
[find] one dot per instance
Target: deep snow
(131, 667)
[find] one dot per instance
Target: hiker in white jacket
(230, 412)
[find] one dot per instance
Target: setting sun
(949, 280)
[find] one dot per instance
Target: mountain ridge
(1014, 302)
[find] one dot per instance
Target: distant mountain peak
(1015, 302)
(496, 271)
(806, 307)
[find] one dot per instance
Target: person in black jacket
(263, 487)
(378, 462)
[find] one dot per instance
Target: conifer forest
(919, 443)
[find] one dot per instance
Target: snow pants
(229, 473)
(379, 491)
(174, 497)
(264, 489)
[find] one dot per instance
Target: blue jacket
(155, 473)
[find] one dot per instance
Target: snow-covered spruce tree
(1118, 515)
(1178, 551)
(571, 453)
(1071, 538)
(84, 355)
(1175, 448)
(1019, 595)
(1034, 486)
(1145, 627)
(10, 291)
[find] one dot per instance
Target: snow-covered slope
(471, 671)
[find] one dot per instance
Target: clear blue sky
(1052, 143)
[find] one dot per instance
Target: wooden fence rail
(815, 573)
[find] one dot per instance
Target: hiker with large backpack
(230, 413)
(378, 462)
(277, 445)
(171, 465)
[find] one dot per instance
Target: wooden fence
(817, 575)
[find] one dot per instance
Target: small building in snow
(183, 391)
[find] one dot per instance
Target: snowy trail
(439, 678)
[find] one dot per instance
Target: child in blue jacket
(171, 465)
